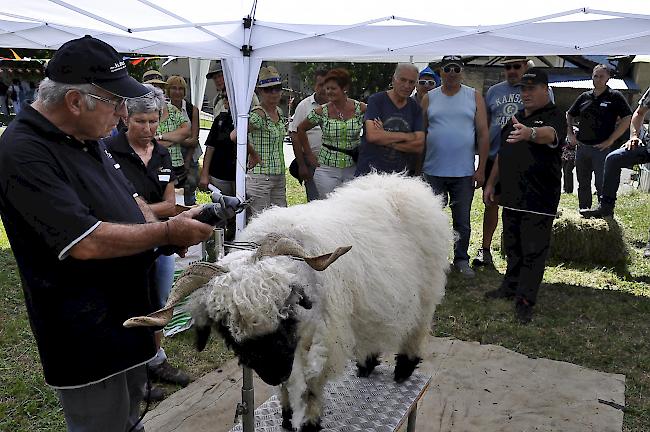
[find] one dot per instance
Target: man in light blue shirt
(455, 121)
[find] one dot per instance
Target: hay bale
(589, 241)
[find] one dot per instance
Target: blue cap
(427, 71)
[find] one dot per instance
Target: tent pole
(248, 401)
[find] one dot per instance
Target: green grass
(592, 316)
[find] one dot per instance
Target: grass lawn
(592, 316)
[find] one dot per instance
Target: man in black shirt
(528, 170)
(81, 239)
(604, 115)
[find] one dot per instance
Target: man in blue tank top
(455, 120)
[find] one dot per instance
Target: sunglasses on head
(450, 68)
(515, 66)
(427, 82)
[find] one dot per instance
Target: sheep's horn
(274, 245)
(193, 277)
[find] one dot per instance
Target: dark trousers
(589, 159)
(526, 238)
(616, 160)
(567, 174)
(460, 191)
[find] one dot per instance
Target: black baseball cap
(534, 76)
(452, 59)
(91, 61)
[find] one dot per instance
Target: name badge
(117, 166)
(163, 177)
(604, 104)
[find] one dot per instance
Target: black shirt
(54, 191)
(530, 173)
(224, 158)
(597, 114)
(149, 181)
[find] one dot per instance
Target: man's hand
(184, 231)
(253, 160)
(378, 123)
(633, 143)
(204, 181)
(519, 133)
(478, 178)
(604, 145)
(489, 198)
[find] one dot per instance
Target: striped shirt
(173, 121)
(343, 134)
(267, 138)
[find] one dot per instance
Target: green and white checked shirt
(173, 121)
(267, 137)
(343, 134)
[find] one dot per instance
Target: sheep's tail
(194, 277)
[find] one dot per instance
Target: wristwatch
(533, 133)
(159, 137)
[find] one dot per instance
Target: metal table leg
(410, 424)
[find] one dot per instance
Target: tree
(367, 78)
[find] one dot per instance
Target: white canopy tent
(291, 30)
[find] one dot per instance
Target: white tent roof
(336, 29)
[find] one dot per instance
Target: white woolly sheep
(297, 325)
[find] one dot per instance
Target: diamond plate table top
(352, 404)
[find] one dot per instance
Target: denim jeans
(458, 192)
(616, 160)
(589, 159)
(164, 278)
(189, 188)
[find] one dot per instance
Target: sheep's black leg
(202, 336)
(365, 369)
(287, 413)
(404, 367)
(311, 426)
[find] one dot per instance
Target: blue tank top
(451, 133)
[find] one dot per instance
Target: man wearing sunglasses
(455, 121)
(80, 237)
(427, 80)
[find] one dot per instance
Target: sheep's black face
(270, 355)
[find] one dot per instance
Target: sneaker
(483, 258)
(600, 211)
(155, 394)
(523, 311)
(499, 294)
(464, 269)
(168, 373)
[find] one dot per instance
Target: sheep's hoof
(404, 367)
(286, 419)
(365, 369)
(311, 426)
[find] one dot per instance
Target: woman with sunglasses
(265, 181)
(341, 121)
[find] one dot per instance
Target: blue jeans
(616, 160)
(458, 192)
(164, 279)
(589, 159)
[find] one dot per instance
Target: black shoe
(523, 311)
(168, 373)
(483, 258)
(499, 294)
(155, 394)
(600, 211)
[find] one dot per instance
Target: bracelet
(167, 232)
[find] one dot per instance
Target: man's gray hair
(151, 102)
(51, 93)
(402, 66)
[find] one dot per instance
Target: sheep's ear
(320, 263)
(194, 277)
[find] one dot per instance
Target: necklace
(338, 112)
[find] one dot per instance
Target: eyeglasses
(450, 68)
(272, 89)
(117, 104)
(427, 82)
(515, 66)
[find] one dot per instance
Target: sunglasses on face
(450, 68)
(427, 82)
(515, 66)
(272, 89)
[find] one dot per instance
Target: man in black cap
(82, 239)
(218, 102)
(528, 168)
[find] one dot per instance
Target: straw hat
(153, 77)
(268, 77)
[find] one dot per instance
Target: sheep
(297, 325)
